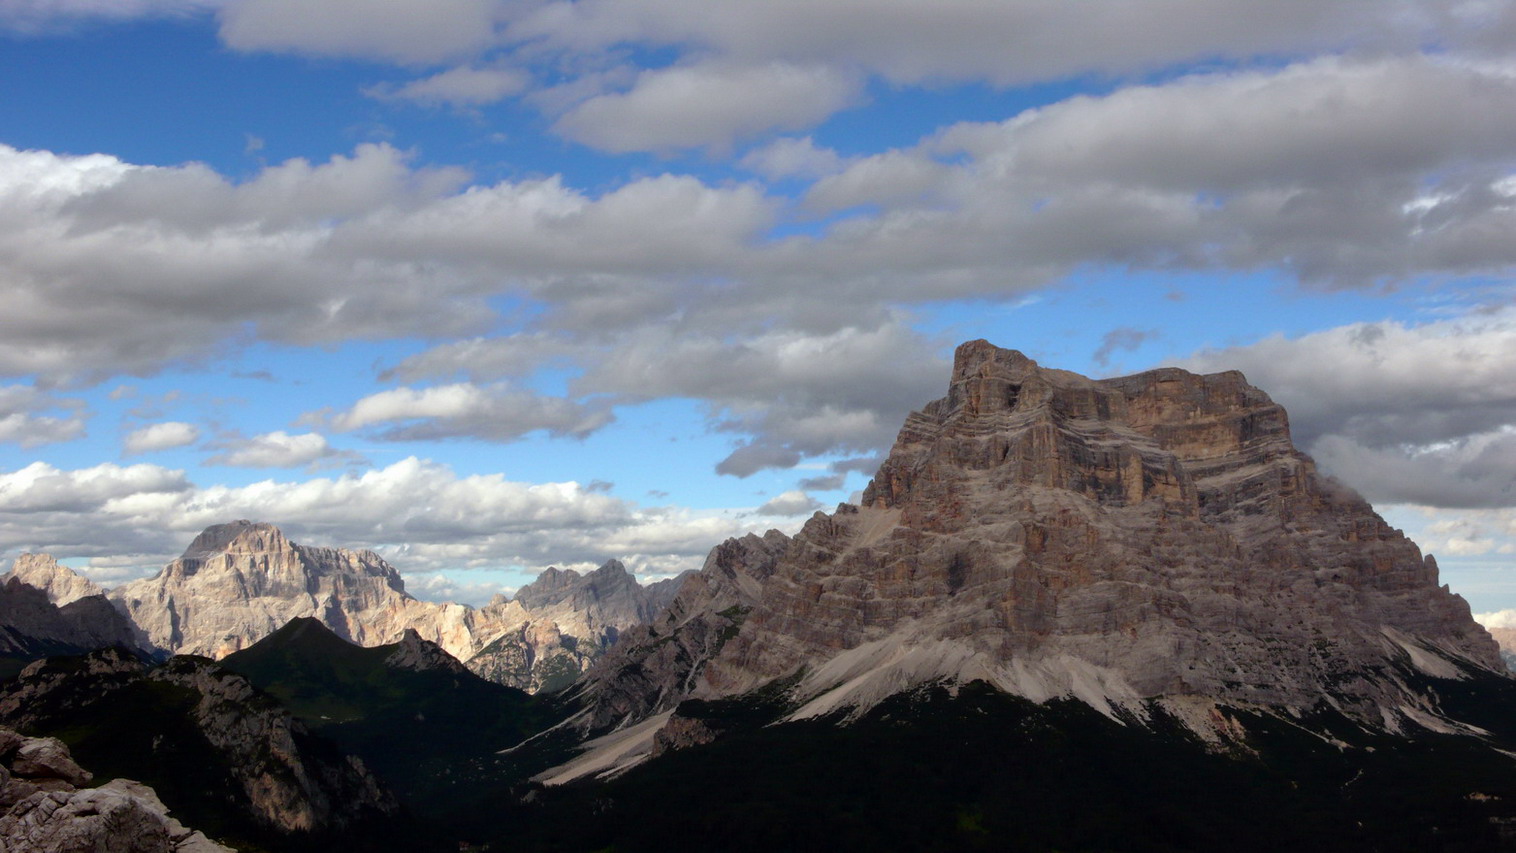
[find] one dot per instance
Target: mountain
(33, 627)
(430, 729)
(237, 583)
(1147, 545)
(62, 585)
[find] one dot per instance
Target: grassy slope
(431, 736)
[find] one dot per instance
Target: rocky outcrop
(239, 582)
(1118, 540)
(44, 810)
(222, 729)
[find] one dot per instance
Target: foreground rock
(44, 810)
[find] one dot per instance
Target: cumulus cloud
(668, 286)
(160, 436)
(793, 502)
(20, 422)
(792, 157)
(460, 87)
(360, 246)
(703, 106)
(1295, 169)
(1003, 43)
(1421, 414)
(403, 31)
(279, 449)
(421, 515)
(1497, 619)
(496, 413)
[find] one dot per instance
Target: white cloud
(404, 31)
(21, 423)
(161, 436)
(793, 502)
(792, 157)
(496, 413)
(278, 449)
(704, 106)
(438, 586)
(1004, 43)
(796, 393)
(1407, 413)
(460, 87)
(1497, 619)
(422, 516)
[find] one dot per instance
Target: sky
(492, 285)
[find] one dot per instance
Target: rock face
(43, 810)
(239, 582)
(655, 664)
(1154, 536)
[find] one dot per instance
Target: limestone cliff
(62, 585)
(1155, 535)
(237, 583)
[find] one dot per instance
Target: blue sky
(490, 285)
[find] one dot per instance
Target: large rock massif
(1150, 538)
(239, 582)
(1155, 535)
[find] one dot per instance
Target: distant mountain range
(237, 583)
(1068, 614)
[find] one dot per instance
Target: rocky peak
(241, 537)
(550, 587)
(414, 653)
(61, 583)
(1118, 539)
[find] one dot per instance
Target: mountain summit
(1155, 535)
(1153, 538)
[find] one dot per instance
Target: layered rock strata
(1155, 535)
(1149, 537)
